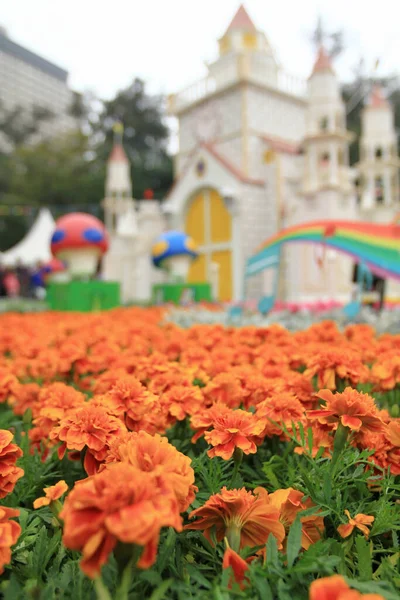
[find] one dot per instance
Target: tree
(18, 124)
(57, 172)
(145, 137)
(332, 42)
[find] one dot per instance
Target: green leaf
(159, 593)
(271, 476)
(166, 550)
(284, 592)
(364, 558)
(294, 542)
(272, 552)
(262, 586)
(310, 439)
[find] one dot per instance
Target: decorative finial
(118, 130)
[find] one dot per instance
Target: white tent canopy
(35, 246)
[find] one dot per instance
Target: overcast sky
(104, 44)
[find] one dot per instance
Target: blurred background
(69, 71)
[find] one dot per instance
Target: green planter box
(181, 293)
(83, 296)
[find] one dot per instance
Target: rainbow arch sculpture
(376, 247)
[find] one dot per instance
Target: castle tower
(118, 185)
(326, 190)
(231, 122)
(244, 95)
(244, 39)
(326, 141)
(379, 164)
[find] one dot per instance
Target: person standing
(11, 284)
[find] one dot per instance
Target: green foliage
(188, 566)
(69, 170)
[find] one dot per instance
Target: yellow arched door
(209, 223)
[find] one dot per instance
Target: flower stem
(126, 556)
(233, 537)
(124, 583)
(237, 459)
(102, 592)
(55, 507)
(338, 444)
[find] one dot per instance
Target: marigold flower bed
(142, 460)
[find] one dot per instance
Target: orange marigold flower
(336, 362)
(23, 397)
(386, 373)
(224, 388)
(52, 493)
(9, 534)
(133, 401)
(154, 454)
(360, 521)
(238, 565)
(9, 472)
(245, 518)
(280, 410)
(182, 400)
(393, 432)
(88, 427)
(54, 402)
(336, 588)
(289, 502)
(256, 388)
(351, 408)
(119, 504)
(204, 419)
(385, 454)
(234, 429)
(105, 381)
(7, 383)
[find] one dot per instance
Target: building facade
(260, 150)
(28, 80)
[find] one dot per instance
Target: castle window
(378, 152)
(395, 189)
(323, 123)
(357, 184)
(379, 190)
(250, 41)
(324, 158)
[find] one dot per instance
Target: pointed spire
(241, 21)
(118, 152)
(323, 62)
(377, 98)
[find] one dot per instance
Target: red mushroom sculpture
(79, 240)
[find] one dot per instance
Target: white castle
(258, 151)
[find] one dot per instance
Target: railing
(251, 66)
(290, 84)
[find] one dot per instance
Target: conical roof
(241, 21)
(323, 62)
(377, 98)
(118, 154)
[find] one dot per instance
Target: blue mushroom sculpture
(174, 251)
